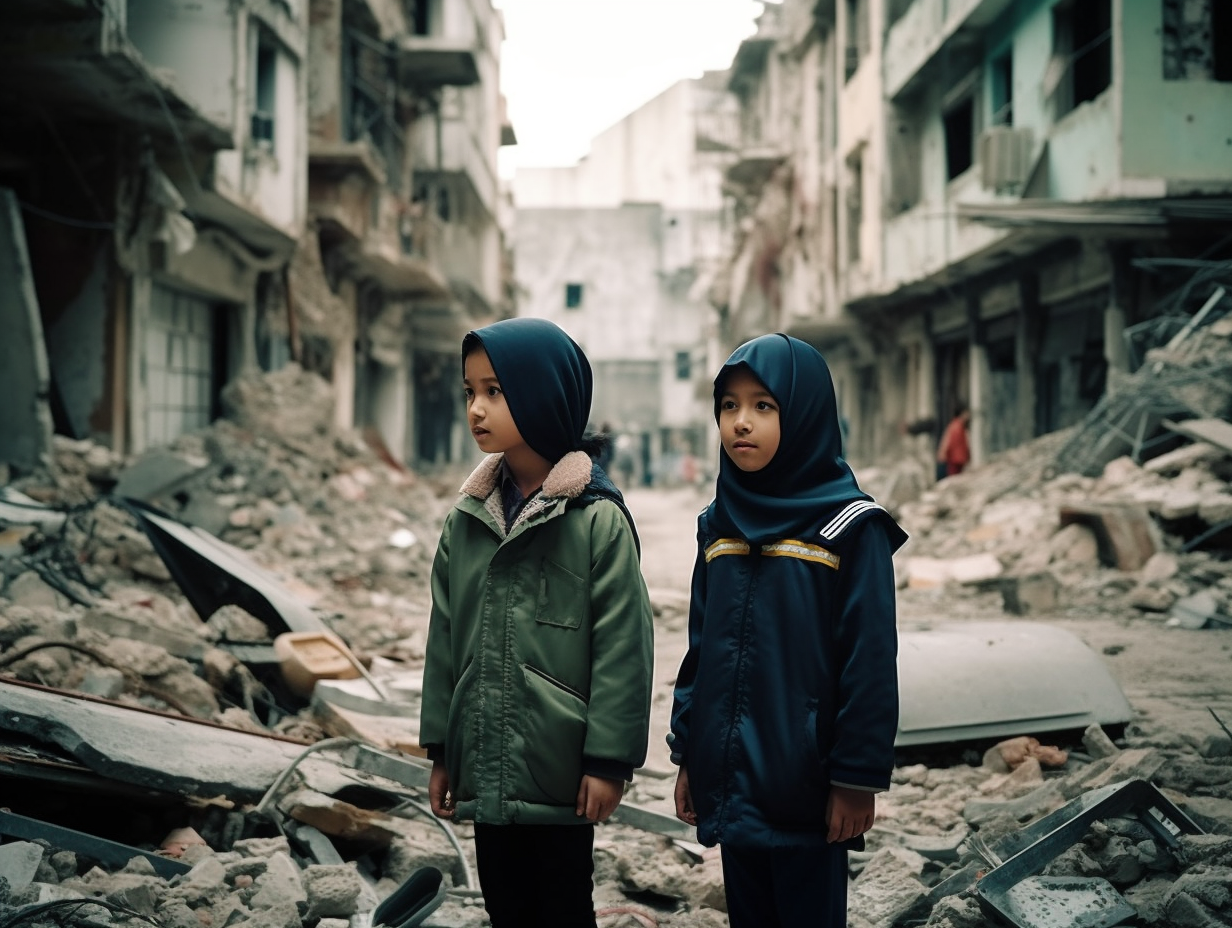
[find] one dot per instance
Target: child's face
(487, 413)
(748, 421)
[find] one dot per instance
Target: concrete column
(1115, 351)
(25, 375)
(1026, 350)
(344, 363)
(981, 402)
(139, 297)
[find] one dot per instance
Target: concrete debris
(88, 605)
(1146, 536)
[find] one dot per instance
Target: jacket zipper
(738, 696)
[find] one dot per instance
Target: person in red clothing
(955, 449)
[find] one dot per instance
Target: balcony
(754, 163)
(401, 251)
(427, 62)
(459, 154)
(74, 59)
(914, 45)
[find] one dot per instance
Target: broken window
(418, 17)
(1197, 40)
(262, 93)
(1081, 65)
(959, 124)
(1002, 90)
(370, 102)
(857, 35)
(180, 364)
(855, 204)
(573, 296)
(684, 365)
(904, 155)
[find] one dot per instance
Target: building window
(959, 122)
(1002, 90)
(573, 296)
(418, 17)
(1197, 40)
(684, 365)
(857, 35)
(855, 205)
(179, 365)
(263, 92)
(1081, 65)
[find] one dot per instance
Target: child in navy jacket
(786, 703)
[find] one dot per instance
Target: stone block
(1030, 593)
(19, 861)
(332, 891)
(1097, 742)
(1126, 535)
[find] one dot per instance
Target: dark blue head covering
(546, 379)
(807, 477)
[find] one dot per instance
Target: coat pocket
(564, 597)
(554, 729)
(460, 732)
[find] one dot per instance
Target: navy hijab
(807, 477)
(551, 403)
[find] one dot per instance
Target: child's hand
(684, 798)
(438, 791)
(849, 812)
(598, 797)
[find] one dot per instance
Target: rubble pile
(347, 532)
(937, 829)
(88, 604)
(1063, 523)
(1080, 544)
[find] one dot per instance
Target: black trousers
(537, 876)
(786, 887)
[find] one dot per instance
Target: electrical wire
(28, 914)
(65, 220)
(445, 827)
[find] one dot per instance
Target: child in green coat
(536, 697)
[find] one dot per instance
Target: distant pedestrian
(954, 450)
(786, 703)
(537, 682)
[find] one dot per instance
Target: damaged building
(195, 191)
(975, 203)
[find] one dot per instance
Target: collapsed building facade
(974, 202)
(197, 190)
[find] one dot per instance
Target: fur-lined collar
(567, 479)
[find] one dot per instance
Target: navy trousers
(786, 887)
(537, 876)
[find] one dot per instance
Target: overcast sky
(571, 68)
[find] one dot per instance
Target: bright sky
(572, 68)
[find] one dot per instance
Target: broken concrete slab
(100, 849)
(1175, 461)
(1217, 432)
(160, 752)
(1127, 537)
(213, 574)
(158, 473)
(1030, 678)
